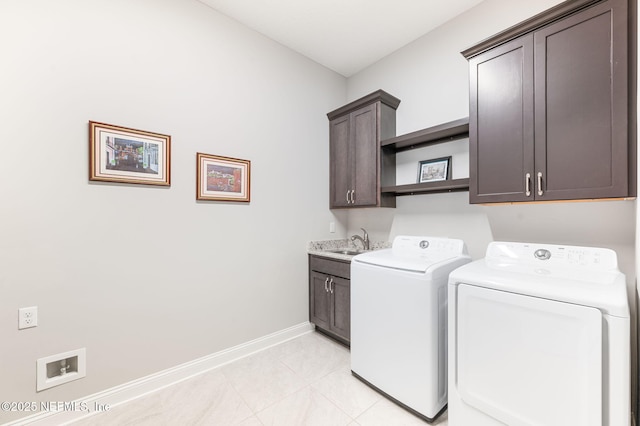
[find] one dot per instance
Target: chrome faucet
(364, 241)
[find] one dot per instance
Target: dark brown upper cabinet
(549, 107)
(358, 165)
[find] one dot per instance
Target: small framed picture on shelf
(434, 170)
(222, 178)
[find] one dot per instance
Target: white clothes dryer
(539, 335)
(399, 320)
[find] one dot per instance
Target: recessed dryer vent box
(57, 369)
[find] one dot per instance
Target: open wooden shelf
(446, 132)
(451, 185)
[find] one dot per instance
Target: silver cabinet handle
(350, 196)
(540, 192)
(325, 284)
(353, 198)
(527, 184)
(331, 286)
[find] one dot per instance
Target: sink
(350, 252)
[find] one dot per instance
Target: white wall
(145, 277)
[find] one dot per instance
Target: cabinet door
(501, 123)
(364, 148)
(341, 307)
(340, 160)
(319, 311)
(581, 109)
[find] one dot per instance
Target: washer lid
(415, 254)
(591, 280)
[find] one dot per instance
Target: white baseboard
(146, 385)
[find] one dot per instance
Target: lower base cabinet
(330, 297)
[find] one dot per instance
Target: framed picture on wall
(222, 178)
(124, 155)
(434, 170)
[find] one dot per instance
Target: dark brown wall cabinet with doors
(358, 167)
(330, 296)
(549, 107)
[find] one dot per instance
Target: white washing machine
(539, 335)
(399, 320)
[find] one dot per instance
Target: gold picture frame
(221, 178)
(125, 155)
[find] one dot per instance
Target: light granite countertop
(320, 248)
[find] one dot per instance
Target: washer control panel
(418, 246)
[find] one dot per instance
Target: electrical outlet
(27, 317)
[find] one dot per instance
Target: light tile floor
(305, 381)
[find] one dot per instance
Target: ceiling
(343, 35)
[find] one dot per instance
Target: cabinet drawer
(330, 267)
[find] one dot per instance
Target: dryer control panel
(553, 255)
